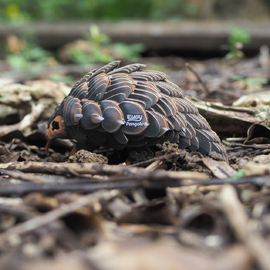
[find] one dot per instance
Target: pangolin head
(56, 127)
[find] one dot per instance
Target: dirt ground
(176, 210)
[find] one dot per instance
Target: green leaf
(240, 173)
(17, 61)
(60, 78)
(256, 81)
(239, 35)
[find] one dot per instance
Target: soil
(83, 156)
(173, 209)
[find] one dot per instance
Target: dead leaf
(257, 134)
(220, 169)
(6, 156)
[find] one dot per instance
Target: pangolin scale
(129, 107)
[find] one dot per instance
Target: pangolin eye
(55, 125)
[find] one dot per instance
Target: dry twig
(145, 162)
(239, 221)
(26, 177)
(99, 169)
(36, 222)
(205, 88)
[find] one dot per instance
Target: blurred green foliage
(102, 50)
(67, 79)
(238, 34)
(24, 54)
(250, 82)
(237, 37)
(20, 11)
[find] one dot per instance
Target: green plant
(129, 52)
(102, 50)
(81, 57)
(240, 173)
(250, 83)
(237, 37)
(26, 55)
(61, 78)
(28, 58)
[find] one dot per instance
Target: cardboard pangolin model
(129, 107)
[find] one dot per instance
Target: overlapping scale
(190, 131)
(119, 97)
(182, 119)
(141, 97)
(219, 148)
(113, 115)
(80, 90)
(167, 105)
(175, 122)
(154, 127)
(194, 144)
(135, 118)
(168, 136)
(148, 76)
(164, 126)
(113, 142)
(203, 123)
(77, 133)
(183, 142)
(120, 137)
(106, 103)
(128, 69)
(92, 115)
(97, 87)
(149, 87)
(153, 97)
(170, 89)
(121, 85)
(105, 69)
(72, 111)
(205, 141)
(175, 137)
(158, 108)
(194, 121)
(142, 103)
(113, 119)
(185, 106)
(170, 124)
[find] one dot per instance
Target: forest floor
(177, 210)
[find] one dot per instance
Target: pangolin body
(130, 107)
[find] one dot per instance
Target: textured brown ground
(178, 210)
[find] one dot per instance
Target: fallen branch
(98, 169)
(93, 184)
(69, 186)
(27, 177)
(241, 145)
